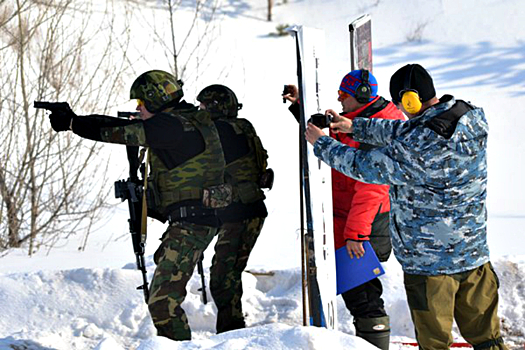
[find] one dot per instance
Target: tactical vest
(244, 173)
(189, 179)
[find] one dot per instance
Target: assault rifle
(132, 190)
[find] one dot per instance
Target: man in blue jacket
(436, 166)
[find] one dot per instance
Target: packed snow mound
(73, 309)
(101, 309)
(271, 336)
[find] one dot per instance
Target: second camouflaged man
(242, 221)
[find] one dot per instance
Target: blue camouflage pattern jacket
(436, 166)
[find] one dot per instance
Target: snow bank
(100, 309)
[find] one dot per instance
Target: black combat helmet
(220, 101)
(157, 89)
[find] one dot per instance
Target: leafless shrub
(416, 34)
(184, 36)
(280, 30)
(51, 185)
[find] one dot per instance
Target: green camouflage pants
(471, 298)
(234, 244)
(182, 244)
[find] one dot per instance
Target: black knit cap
(420, 81)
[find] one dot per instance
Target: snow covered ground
(66, 299)
(99, 308)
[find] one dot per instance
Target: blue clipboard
(354, 272)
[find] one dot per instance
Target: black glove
(61, 120)
(292, 92)
(266, 179)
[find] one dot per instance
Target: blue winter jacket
(436, 166)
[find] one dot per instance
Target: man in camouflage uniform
(185, 183)
(242, 221)
(435, 164)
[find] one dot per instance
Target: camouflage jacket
(246, 160)
(175, 143)
(436, 167)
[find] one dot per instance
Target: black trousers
(365, 301)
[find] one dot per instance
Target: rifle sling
(144, 222)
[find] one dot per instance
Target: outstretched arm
(377, 131)
(385, 165)
(109, 129)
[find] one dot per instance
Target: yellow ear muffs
(411, 102)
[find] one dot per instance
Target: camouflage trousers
(471, 298)
(234, 244)
(182, 244)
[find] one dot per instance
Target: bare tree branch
(50, 184)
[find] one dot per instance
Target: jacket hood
(456, 119)
(460, 127)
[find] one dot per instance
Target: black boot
(227, 322)
(374, 330)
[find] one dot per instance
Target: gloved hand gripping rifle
(132, 190)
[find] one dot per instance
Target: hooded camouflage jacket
(436, 167)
